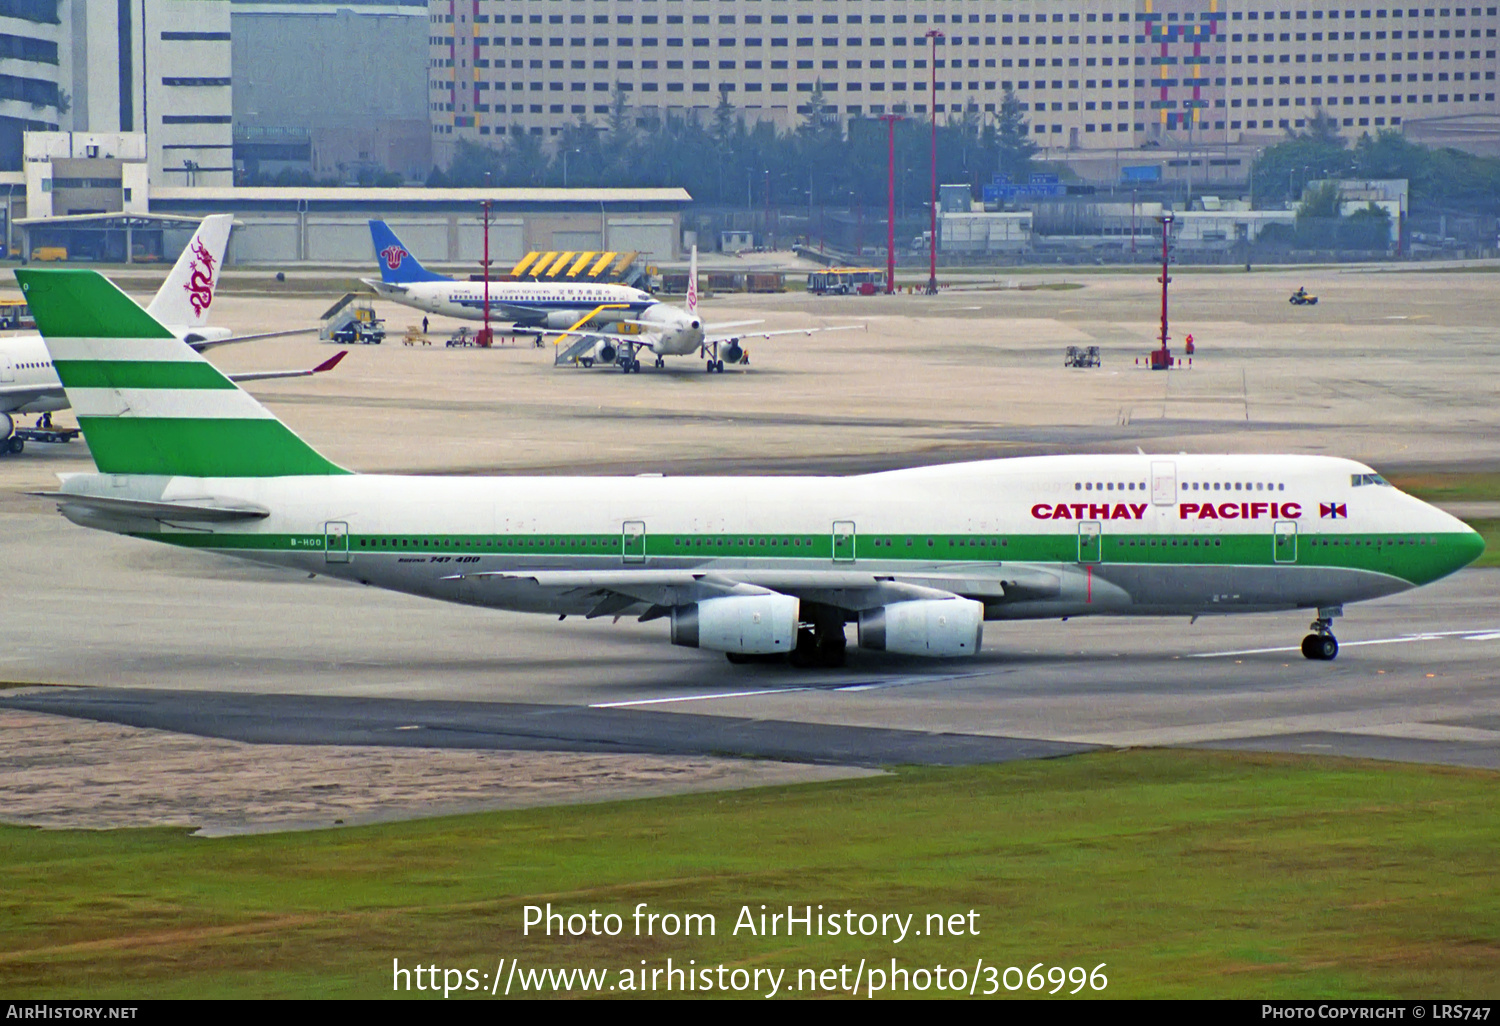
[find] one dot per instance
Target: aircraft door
(1285, 547)
(633, 541)
(335, 542)
(1090, 542)
(843, 541)
(7, 371)
(1163, 484)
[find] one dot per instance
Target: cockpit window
(1367, 479)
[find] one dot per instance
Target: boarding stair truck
(348, 322)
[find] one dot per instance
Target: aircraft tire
(1322, 647)
(16, 444)
(709, 367)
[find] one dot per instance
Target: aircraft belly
(1204, 590)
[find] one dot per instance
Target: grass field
(1188, 873)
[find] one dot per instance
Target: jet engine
(732, 352)
(606, 352)
(561, 320)
(744, 624)
(924, 627)
(7, 425)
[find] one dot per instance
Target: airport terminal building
(1090, 74)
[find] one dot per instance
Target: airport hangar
(287, 226)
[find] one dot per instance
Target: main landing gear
(1321, 644)
(733, 353)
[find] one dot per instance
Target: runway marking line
(853, 685)
(1469, 635)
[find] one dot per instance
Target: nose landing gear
(1321, 644)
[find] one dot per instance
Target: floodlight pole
(890, 201)
(1166, 233)
(933, 35)
(488, 338)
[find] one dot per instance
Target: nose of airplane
(1454, 545)
(1467, 548)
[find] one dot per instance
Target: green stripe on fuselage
(1418, 559)
(174, 374)
(201, 447)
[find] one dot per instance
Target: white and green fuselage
(916, 557)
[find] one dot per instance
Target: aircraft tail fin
(147, 403)
(692, 293)
(397, 265)
(184, 298)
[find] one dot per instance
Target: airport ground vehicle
(1082, 356)
(41, 431)
(15, 314)
(1303, 298)
(841, 281)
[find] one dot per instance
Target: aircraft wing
(621, 591)
(327, 365)
(211, 343)
(14, 397)
(711, 339)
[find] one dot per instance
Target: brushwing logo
(200, 285)
(1333, 511)
(393, 256)
(692, 295)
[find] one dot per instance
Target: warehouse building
(1091, 74)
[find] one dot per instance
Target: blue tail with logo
(397, 265)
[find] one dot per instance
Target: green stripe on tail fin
(147, 403)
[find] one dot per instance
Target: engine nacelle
(606, 352)
(7, 426)
(746, 624)
(733, 352)
(561, 320)
(924, 627)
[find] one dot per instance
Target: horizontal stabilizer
(209, 511)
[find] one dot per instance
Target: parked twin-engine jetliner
(527, 304)
(29, 384)
(746, 566)
(670, 331)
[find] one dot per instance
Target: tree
(1368, 229)
(1324, 128)
(619, 117)
(1318, 217)
(1013, 139)
(1282, 171)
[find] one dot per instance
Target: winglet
(330, 363)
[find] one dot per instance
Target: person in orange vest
(1188, 344)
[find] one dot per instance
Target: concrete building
(1091, 74)
(278, 226)
(155, 66)
(336, 89)
(31, 75)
